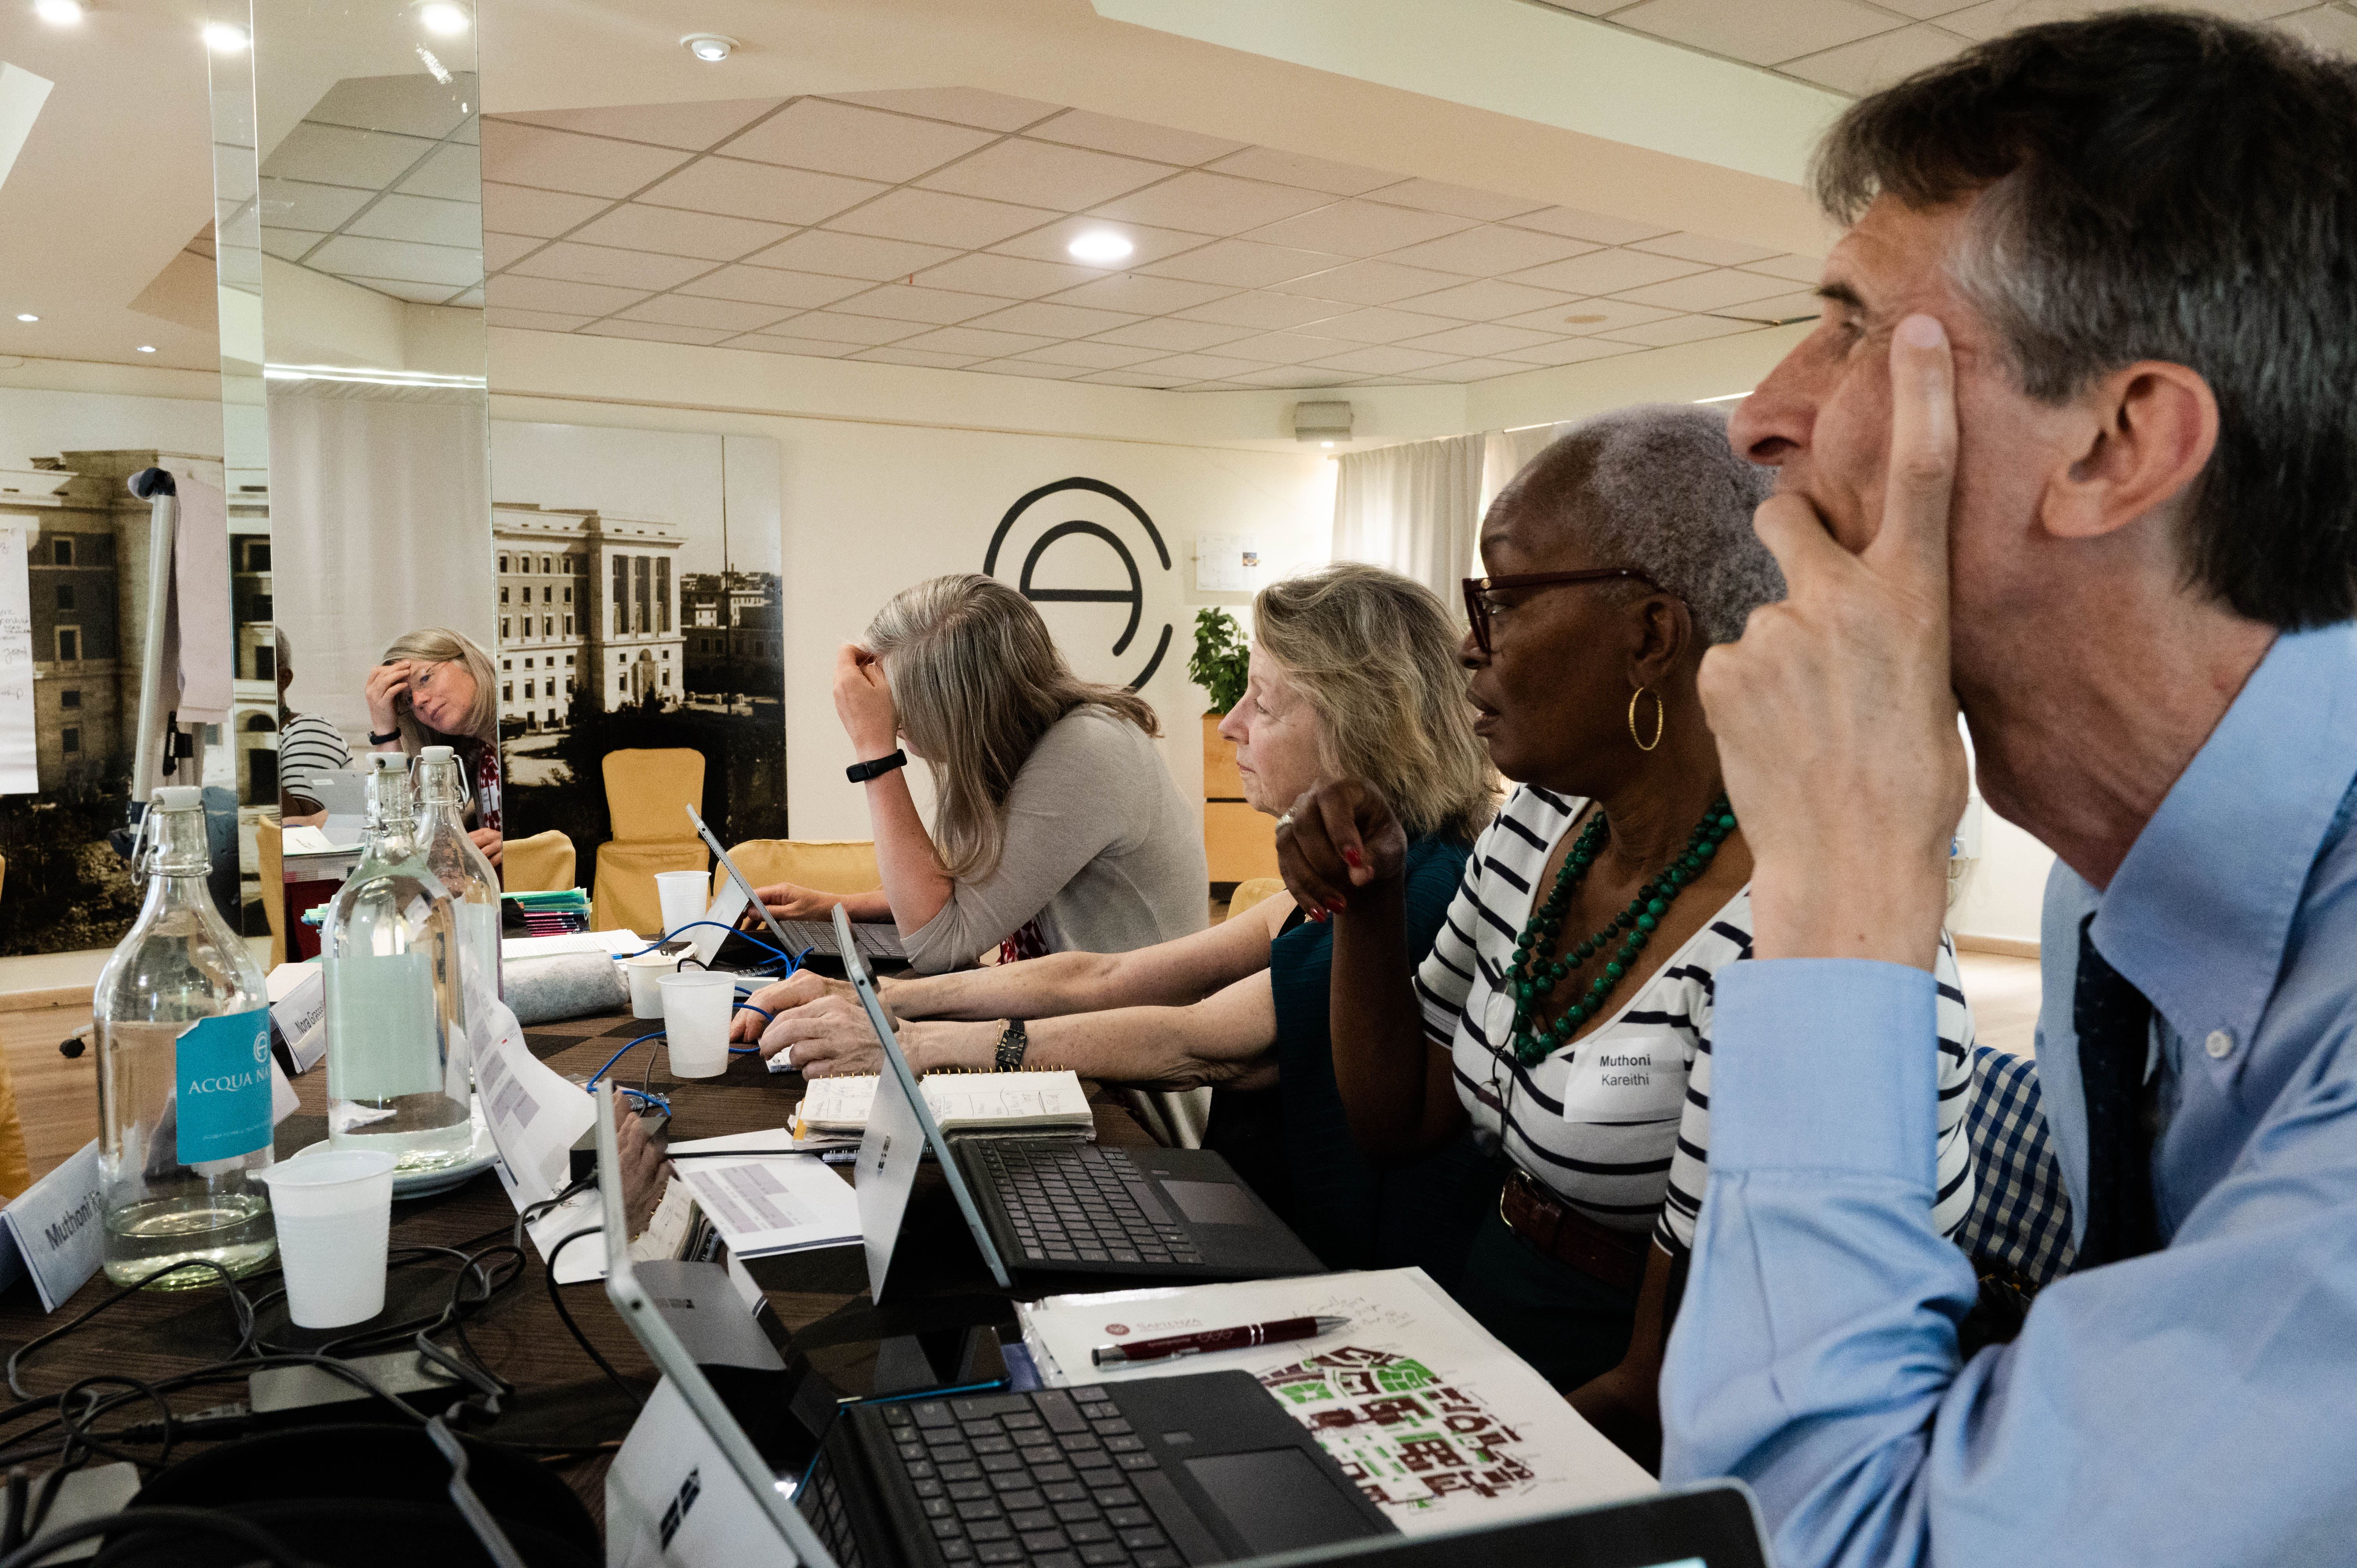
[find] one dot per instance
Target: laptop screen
(744, 891)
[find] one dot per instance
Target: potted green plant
(1222, 661)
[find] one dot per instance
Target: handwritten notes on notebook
(959, 1101)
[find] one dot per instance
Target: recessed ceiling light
(26, 316)
(146, 348)
(443, 19)
(58, 13)
(1584, 320)
(709, 48)
(223, 38)
(1099, 246)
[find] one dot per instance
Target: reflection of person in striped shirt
(308, 747)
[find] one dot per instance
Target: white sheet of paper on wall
(18, 772)
(1226, 564)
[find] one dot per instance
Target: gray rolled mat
(569, 985)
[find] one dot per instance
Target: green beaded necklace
(1534, 976)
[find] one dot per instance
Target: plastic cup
(684, 895)
(697, 1006)
(644, 970)
(334, 1214)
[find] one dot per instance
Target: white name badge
(55, 1230)
(1627, 1077)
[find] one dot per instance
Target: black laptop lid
(1716, 1525)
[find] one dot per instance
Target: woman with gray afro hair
(1561, 1025)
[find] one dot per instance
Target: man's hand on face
(1836, 718)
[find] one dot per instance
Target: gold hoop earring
(1660, 717)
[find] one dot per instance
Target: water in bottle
(182, 1021)
(463, 869)
(398, 1063)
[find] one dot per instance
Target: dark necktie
(2114, 1023)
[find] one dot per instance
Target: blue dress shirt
(2197, 1405)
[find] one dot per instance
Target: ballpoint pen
(1250, 1333)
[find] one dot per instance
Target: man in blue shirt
(2074, 446)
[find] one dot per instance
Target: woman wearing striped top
(1564, 1012)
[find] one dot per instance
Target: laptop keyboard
(1077, 1203)
(1040, 1479)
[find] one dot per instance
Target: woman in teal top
(1354, 672)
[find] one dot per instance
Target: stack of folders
(988, 1104)
(546, 914)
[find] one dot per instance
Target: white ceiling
(1861, 45)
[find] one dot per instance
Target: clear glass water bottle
(398, 1066)
(465, 870)
(182, 1019)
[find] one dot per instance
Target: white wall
(2001, 893)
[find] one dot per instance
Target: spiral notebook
(973, 1103)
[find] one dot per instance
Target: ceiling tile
(694, 126)
(1010, 277)
(1705, 291)
(978, 343)
(1360, 228)
(1385, 361)
(300, 204)
(453, 172)
(1606, 271)
(498, 250)
(1213, 203)
(1132, 138)
(1759, 31)
(472, 299)
(393, 259)
(1134, 378)
(1489, 249)
(1490, 300)
(715, 237)
(1801, 304)
(937, 218)
(1705, 249)
(833, 329)
(402, 104)
(288, 245)
(559, 160)
(1044, 174)
(2327, 28)
(1033, 368)
(1680, 329)
(1141, 294)
(520, 209)
(1570, 352)
(1285, 348)
(1380, 326)
(939, 305)
(1055, 320)
(930, 358)
(1871, 64)
(1245, 263)
(843, 138)
(1580, 317)
(402, 288)
(966, 105)
(331, 155)
(418, 218)
(1148, 244)
(576, 262)
(509, 291)
(1264, 312)
(535, 320)
(652, 333)
(1460, 200)
(678, 310)
(766, 285)
(1573, 223)
(1092, 356)
(1175, 336)
(1313, 174)
(1295, 376)
(1475, 371)
(851, 256)
(1923, 10)
(1485, 339)
(769, 343)
(1797, 269)
(1368, 283)
(1198, 367)
(739, 190)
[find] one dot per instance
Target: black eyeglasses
(1478, 608)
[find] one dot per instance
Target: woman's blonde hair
(1376, 657)
(977, 681)
(440, 645)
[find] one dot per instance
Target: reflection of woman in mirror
(436, 688)
(308, 747)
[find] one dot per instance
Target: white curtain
(1415, 508)
(1504, 452)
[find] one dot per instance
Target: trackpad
(1213, 1202)
(1278, 1500)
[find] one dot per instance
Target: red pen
(1217, 1339)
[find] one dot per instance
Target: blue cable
(642, 1094)
(793, 960)
(618, 1056)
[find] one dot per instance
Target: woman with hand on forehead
(1565, 1012)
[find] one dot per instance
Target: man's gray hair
(1657, 487)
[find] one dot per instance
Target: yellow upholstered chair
(1258, 890)
(825, 866)
(541, 864)
(647, 796)
(15, 1164)
(269, 846)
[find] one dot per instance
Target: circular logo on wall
(1084, 542)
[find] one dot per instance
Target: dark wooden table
(821, 1297)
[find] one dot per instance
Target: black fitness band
(861, 772)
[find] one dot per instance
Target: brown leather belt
(1569, 1237)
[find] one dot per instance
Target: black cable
(81, 1434)
(245, 1532)
(574, 1328)
(240, 1305)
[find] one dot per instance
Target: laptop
(1057, 1204)
(734, 898)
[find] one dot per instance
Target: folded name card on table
(298, 1014)
(959, 1101)
(55, 1231)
